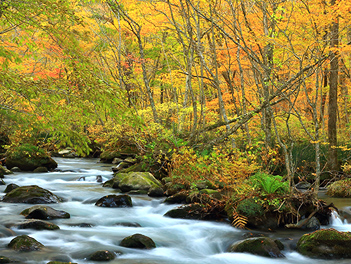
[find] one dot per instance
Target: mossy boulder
(102, 255)
(108, 156)
(4, 171)
(138, 241)
(44, 212)
(115, 201)
(32, 194)
(194, 211)
(37, 225)
(25, 243)
(28, 157)
(262, 246)
(325, 244)
(4, 259)
(10, 187)
(340, 188)
(136, 181)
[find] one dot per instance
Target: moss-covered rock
(138, 241)
(28, 157)
(115, 201)
(136, 181)
(44, 212)
(37, 225)
(340, 188)
(32, 194)
(4, 171)
(325, 244)
(108, 156)
(25, 243)
(102, 255)
(262, 246)
(4, 259)
(10, 187)
(189, 211)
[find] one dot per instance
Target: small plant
(269, 184)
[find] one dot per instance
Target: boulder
(37, 225)
(189, 211)
(261, 246)
(31, 194)
(2, 182)
(156, 192)
(25, 243)
(10, 187)
(4, 171)
(28, 157)
(136, 181)
(115, 201)
(6, 232)
(44, 213)
(178, 198)
(325, 244)
(41, 169)
(138, 241)
(102, 255)
(4, 259)
(340, 188)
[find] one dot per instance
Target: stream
(93, 228)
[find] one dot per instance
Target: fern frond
(239, 221)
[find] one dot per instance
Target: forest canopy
(267, 79)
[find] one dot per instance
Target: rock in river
(113, 200)
(25, 243)
(325, 244)
(32, 195)
(44, 212)
(262, 246)
(138, 241)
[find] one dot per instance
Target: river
(178, 241)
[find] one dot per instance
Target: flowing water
(93, 228)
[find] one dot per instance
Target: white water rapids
(178, 241)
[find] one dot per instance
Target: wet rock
(156, 192)
(25, 243)
(37, 225)
(44, 213)
(189, 211)
(4, 171)
(16, 169)
(41, 169)
(137, 181)
(10, 187)
(6, 232)
(4, 259)
(138, 241)
(2, 182)
(115, 201)
(303, 185)
(128, 224)
(262, 246)
(99, 178)
(102, 255)
(178, 198)
(31, 194)
(325, 244)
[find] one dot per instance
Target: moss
(249, 207)
(325, 243)
(340, 188)
(25, 243)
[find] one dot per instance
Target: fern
(239, 221)
(269, 184)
